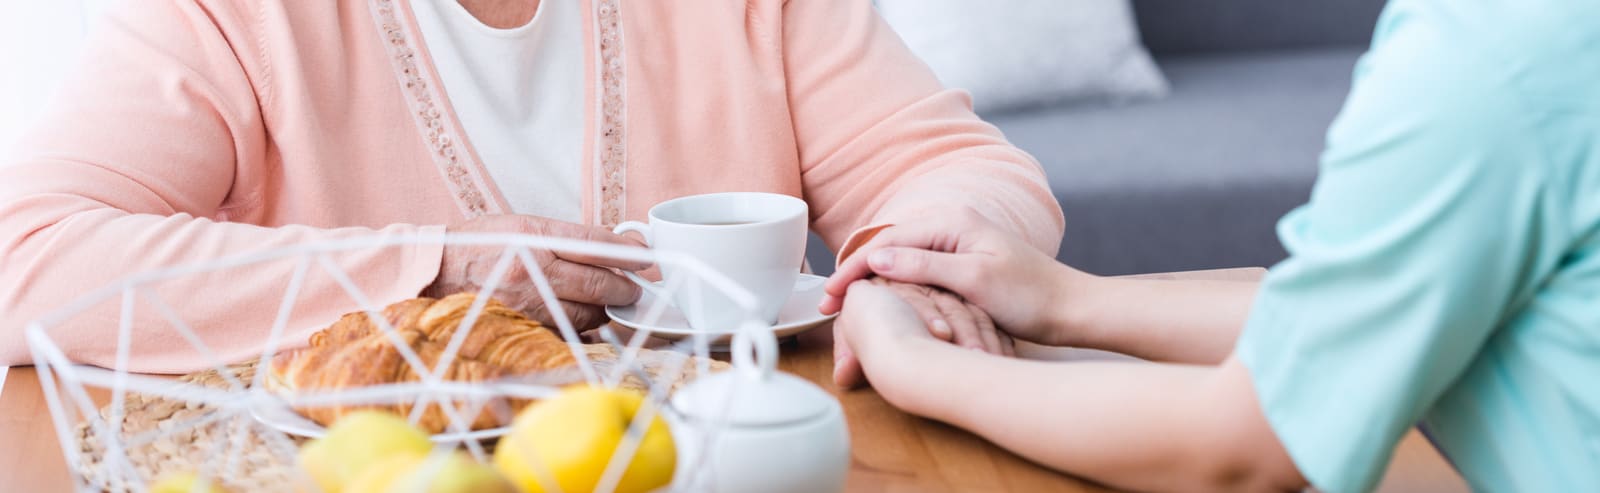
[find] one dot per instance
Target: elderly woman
(201, 128)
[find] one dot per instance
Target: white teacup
(755, 239)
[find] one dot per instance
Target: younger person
(1446, 271)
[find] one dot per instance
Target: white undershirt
(519, 96)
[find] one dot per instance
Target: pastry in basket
(354, 352)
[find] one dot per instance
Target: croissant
(355, 352)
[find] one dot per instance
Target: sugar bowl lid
(754, 393)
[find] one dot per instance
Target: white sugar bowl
(757, 429)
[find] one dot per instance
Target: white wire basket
(252, 444)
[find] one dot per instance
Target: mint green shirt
(1446, 270)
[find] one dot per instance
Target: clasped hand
(999, 279)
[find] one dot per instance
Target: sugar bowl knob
(758, 429)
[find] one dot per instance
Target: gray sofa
(1197, 180)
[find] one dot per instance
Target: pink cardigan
(201, 128)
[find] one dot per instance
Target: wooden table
(892, 451)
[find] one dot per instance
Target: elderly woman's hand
(585, 284)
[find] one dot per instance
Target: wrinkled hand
(942, 314)
(585, 284)
(1010, 280)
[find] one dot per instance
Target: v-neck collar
(605, 129)
(448, 146)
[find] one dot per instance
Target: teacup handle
(643, 230)
(755, 337)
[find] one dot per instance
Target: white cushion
(1017, 53)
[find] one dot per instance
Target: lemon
(412, 473)
(569, 439)
(357, 441)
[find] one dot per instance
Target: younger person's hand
(943, 315)
(887, 335)
(1023, 289)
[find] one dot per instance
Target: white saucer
(275, 413)
(799, 314)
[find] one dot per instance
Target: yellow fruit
(184, 482)
(412, 473)
(384, 475)
(356, 441)
(319, 464)
(571, 438)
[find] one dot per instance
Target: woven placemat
(164, 436)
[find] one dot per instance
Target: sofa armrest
(1188, 26)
